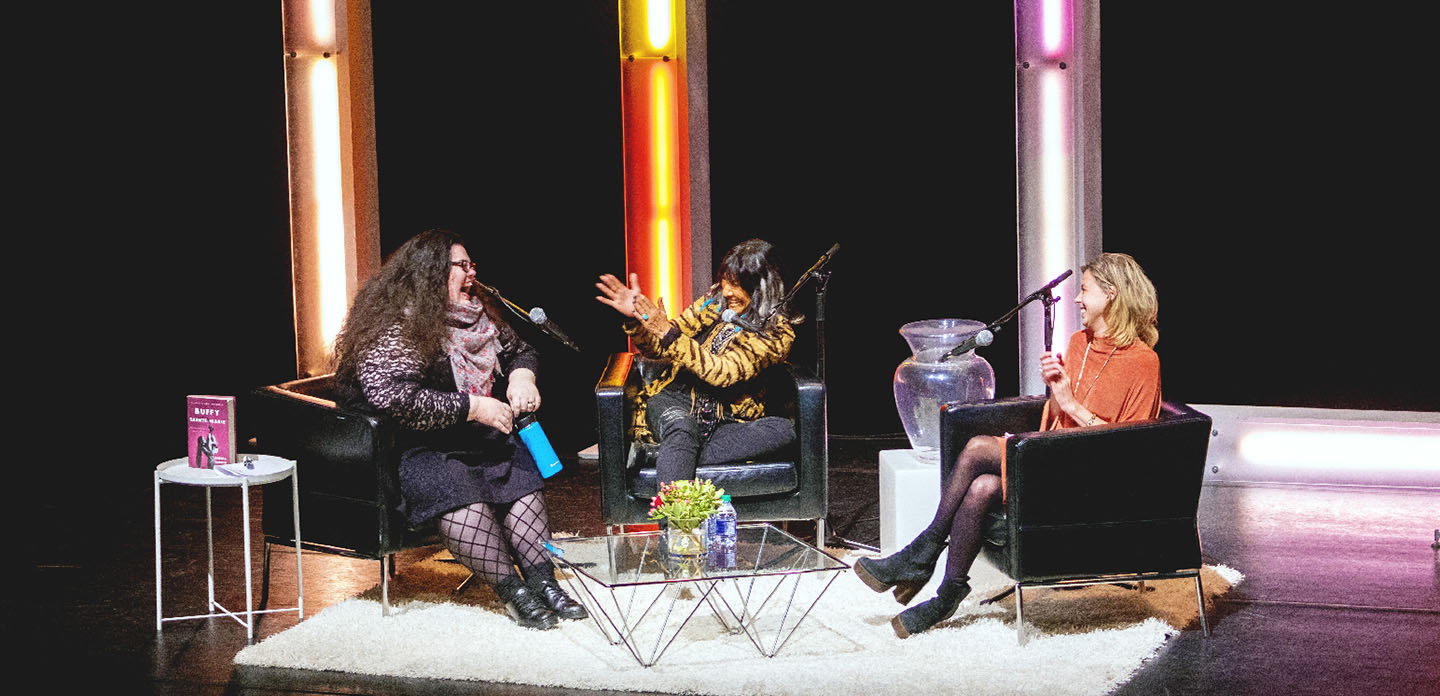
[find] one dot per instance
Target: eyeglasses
(464, 265)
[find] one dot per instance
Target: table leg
(158, 614)
(249, 600)
(299, 569)
(210, 550)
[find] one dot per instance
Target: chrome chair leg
(1019, 614)
(1200, 598)
(385, 585)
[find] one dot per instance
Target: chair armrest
(811, 430)
(1110, 473)
(612, 426)
(960, 421)
(340, 451)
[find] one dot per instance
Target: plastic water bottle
(720, 535)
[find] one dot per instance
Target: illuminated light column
(329, 127)
(656, 148)
(1057, 210)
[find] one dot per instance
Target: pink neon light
(1054, 18)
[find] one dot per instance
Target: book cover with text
(211, 426)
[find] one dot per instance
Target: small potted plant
(684, 505)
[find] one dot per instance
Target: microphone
(1051, 285)
(538, 318)
(982, 338)
(730, 316)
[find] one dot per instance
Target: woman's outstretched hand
(629, 301)
(617, 295)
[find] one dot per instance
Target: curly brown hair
(410, 290)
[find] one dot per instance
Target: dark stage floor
(1342, 592)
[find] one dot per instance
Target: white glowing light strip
(1055, 188)
(322, 22)
(657, 21)
(1053, 25)
(329, 210)
(1343, 447)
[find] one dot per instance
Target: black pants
(684, 445)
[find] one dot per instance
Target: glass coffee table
(641, 597)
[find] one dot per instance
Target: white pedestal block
(909, 494)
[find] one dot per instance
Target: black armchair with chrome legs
(348, 482)
(791, 485)
(1111, 503)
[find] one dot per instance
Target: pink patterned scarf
(474, 346)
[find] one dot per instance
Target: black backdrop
(1258, 166)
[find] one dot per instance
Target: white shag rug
(1083, 642)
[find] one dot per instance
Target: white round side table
(265, 469)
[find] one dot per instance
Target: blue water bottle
(721, 537)
(534, 438)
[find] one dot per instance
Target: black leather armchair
(1112, 503)
(791, 485)
(346, 467)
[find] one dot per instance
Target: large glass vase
(924, 381)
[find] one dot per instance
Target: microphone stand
(1044, 296)
(519, 312)
(822, 282)
(822, 279)
(507, 303)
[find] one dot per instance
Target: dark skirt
(472, 464)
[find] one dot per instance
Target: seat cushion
(761, 478)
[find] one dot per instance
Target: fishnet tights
(490, 539)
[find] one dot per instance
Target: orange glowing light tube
(656, 148)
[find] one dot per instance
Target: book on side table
(211, 427)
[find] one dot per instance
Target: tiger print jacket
(724, 361)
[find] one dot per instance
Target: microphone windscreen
(728, 315)
(537, 315)
(984, 338)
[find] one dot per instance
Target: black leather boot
(541, 579)
(907, 570)
(928, 613)
(525, 606)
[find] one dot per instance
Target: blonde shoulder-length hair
(1133, 308)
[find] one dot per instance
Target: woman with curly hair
(707, 407)
(1111, 375)
(422, 347)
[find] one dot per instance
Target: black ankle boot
(928, 613)
(541, 580)
(525, 606)
(907, 570)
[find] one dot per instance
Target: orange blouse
(1116, 384)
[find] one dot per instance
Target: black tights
(490, 539)
(973, 488)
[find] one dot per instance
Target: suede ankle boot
(525, 606)
(907, 570)
(928, 613)
(541, 579)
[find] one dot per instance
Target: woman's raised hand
(492, 412)
(1052, 370)
(617, 295)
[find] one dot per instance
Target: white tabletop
(268, 469)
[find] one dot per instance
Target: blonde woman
(1108, 373)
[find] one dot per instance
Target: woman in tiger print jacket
(708, 406)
